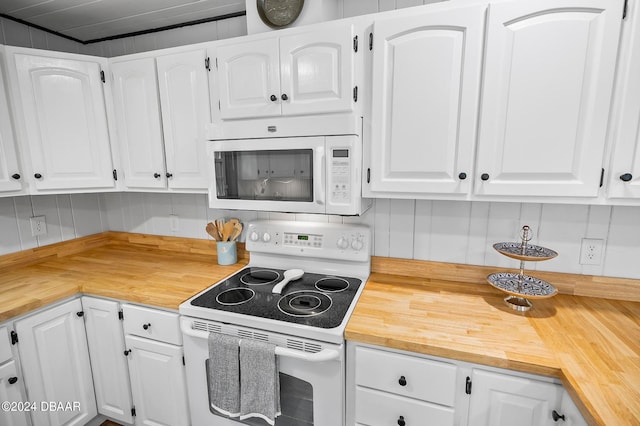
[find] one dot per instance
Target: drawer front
(375, 408)
(415, 377)
(5, 345)
(152, 324)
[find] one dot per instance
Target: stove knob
(253, 236)
(356, 244)
(266, 237)
(342, 243)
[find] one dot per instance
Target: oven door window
(273, 175)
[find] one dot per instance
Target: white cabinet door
(548, 78)
(108, 362)
(624, 178)
(10, 392)
(55, 363)
(184, 99)
(10, 175)
(249, 79)
(426, 79)
(317, 71)
(64, 121)
(571, 414)
(158, 382)
(502, 400)
(138, 123)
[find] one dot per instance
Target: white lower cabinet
(10, 392)
(156, 367)
(389, 387)
(55, 362)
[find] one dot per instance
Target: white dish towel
(259, 381)
(224, 374)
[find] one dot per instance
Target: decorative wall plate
(279, 13)
(532, 288)
(532, 252)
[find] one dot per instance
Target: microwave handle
(320, 175)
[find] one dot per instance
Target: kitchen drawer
(152, 323)
(375, 408)
(415, 377)
(5, 345)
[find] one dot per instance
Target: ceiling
(92, 20)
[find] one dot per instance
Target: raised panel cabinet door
(426, 79)
(502, 400)
(10, 392)
(65, 122)
(184, 88)
(108, 362)
(549, 69)
(55, 364)
(317, 71)
(10, 174)
(135, 95)
(157, 382)
(624, 177)
(249, 79)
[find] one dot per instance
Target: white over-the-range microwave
(309, 174)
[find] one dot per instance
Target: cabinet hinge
(624, 9)
(120, 315)
(355, 44)
(355, 94)
(601, 177)
(115, 174)
(370, 41)
(14, 337)
(133, 411)
(102, 77)
(467, 386)
(368, 175)
(207, 63)
(183, 363)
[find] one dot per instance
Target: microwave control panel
(339, 185)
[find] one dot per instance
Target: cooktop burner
(315, 300)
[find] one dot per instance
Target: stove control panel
(310, 239)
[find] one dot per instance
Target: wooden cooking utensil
(213, 231)
(237, 230)
(227, 230)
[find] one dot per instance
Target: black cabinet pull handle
(484, 176)
(402, 381)
(16, 176)
(37, 176)
(284, 97)
(557, 416)
(626, 177)
(146, 326)
(156, 175)
(127, 352)
(462, 176)
(401, 421)
(12, 380)
(80, 314)
(169, 175)
(273, 98)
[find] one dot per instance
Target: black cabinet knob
(557, 416)
(156, 175)
(127, 352)
(12, 380)
(15, 176)
(273, 98)
(462, 176)
(402, 381)
(80, 314)
(146, 326)
(37, 176)
(401, 421)
(484, 176)
(284, 97)
(169, 175)
(626, 177)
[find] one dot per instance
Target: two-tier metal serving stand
(520, 287)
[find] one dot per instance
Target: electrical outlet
(38, 226)
(591, 251)
(173, 222)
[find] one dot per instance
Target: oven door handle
(322, 356)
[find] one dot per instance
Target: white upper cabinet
(138, 122)
(426, 79)
(624, 179)
(306, 73)
(10, 174)
(548, 76)
(62, 119)
(162, 108)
